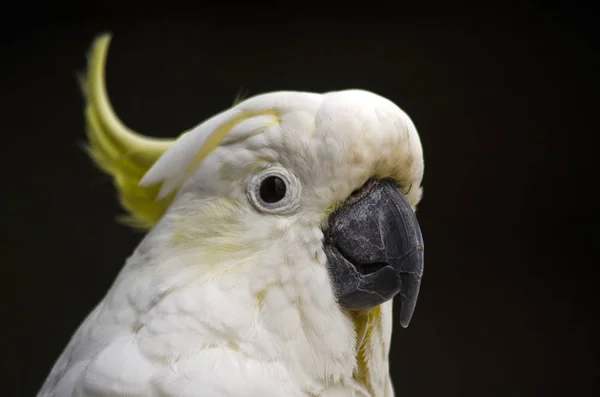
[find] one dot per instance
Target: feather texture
(221, 299)
(117, 150)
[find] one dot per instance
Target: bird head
(280, 185)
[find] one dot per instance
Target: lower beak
(374, 248)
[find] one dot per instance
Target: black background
(504, 98)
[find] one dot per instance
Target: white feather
(220, 300)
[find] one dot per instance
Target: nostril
(361, 192)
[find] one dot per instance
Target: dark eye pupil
(272, 189)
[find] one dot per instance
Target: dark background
(504, 98)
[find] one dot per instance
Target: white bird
(279, 232)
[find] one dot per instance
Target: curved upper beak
(374, 248)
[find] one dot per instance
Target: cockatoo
(279, 232)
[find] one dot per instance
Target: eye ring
(274, 191)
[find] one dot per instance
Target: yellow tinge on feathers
(122, 153)
(119, 151)
(127, 156)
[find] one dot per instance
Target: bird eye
(274, 190)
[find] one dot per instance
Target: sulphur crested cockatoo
(279, 232)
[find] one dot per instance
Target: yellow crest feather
(115, 149)
(240, 96)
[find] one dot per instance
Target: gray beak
(374, 248)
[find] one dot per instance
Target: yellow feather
(115, 149)
(127, 156)
(241, 95)
(215, 137)
(364, 322)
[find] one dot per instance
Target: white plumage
(223, 300)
